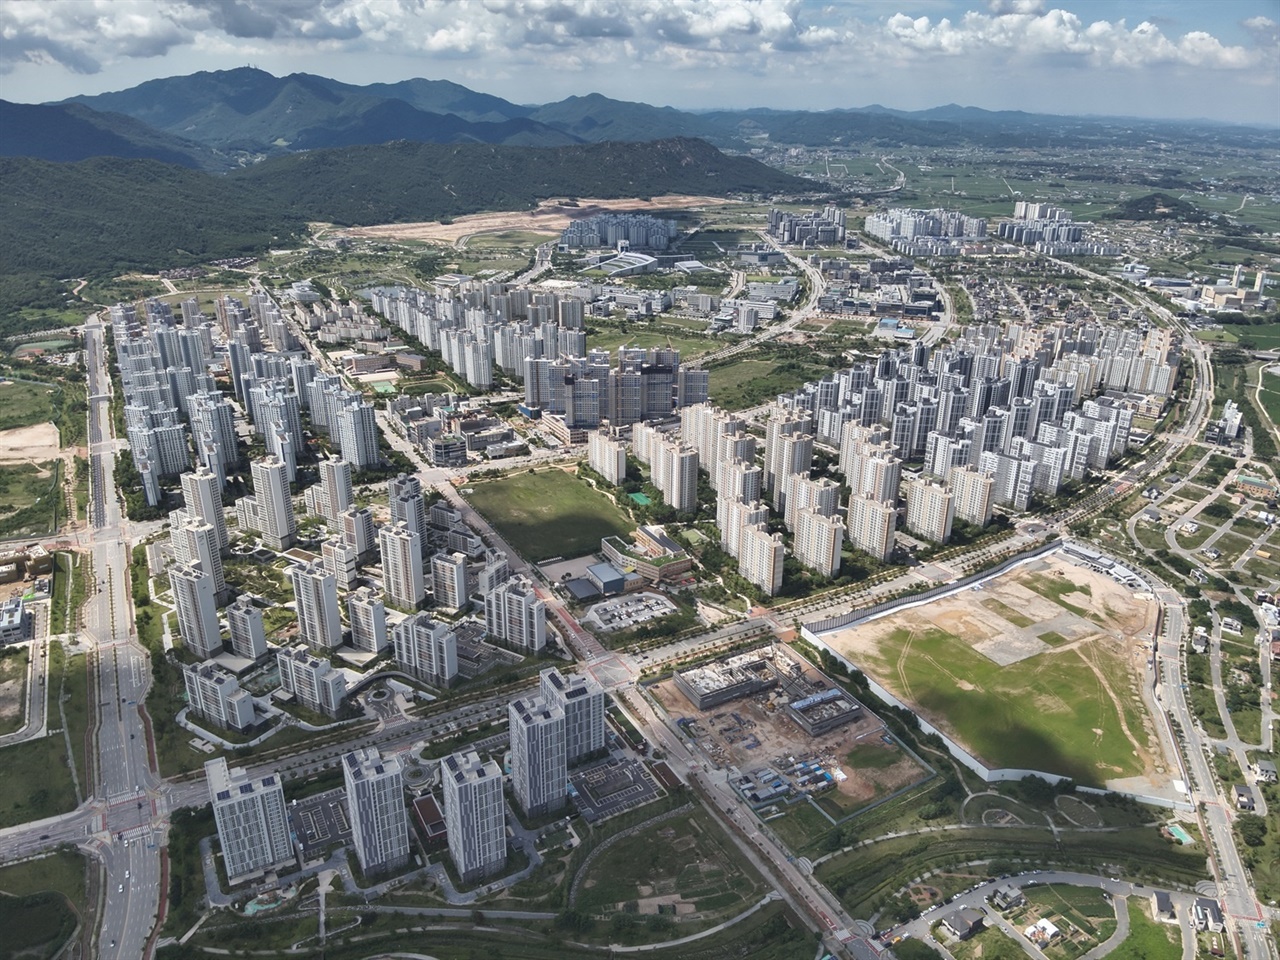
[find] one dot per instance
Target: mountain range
(217, 120)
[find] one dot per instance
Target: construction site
(785, 732)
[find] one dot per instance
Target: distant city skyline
(1148, 58)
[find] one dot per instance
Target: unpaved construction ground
(551, 217)
(755, 731)
(34, 444)
(1038, 669)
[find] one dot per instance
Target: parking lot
(610, 787)
(319, 822)
(621, 613)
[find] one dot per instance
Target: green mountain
(249, 111)
(423, 181)
(68, 132)
(104, 216)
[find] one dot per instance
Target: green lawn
(37, 779)
(1270, 396)
(990, 944)
(1147, 939)
(549, 514)
(23, 404)
(41, 910)
(748, 383)
(611, 338)
(1037, 714)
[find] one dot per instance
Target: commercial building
(379, 818)
(253, 823)
(539, 774)
(474, 815)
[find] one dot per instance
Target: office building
(402, 565)
(426, 649)
(316, 591)
(253, 823)
(871, 525)
(375, 803)
(539, 776)
(515, 616)
(368, 618)
(197, 609)
(214, 695)
(581, 700)
(312, 681)
(248, 634)
(474, 815)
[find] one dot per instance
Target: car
(44, 836)
(120, 889)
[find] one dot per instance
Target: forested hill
(425, 181)
(108, 215)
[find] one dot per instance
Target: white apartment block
(581, 700)
(340, 561)
(733, 517)
(760, 558)
(316, 592)
(368, 616)
(803, 493)
(402, 565)
(375, 802)
(202, 495)
(930, 510)
(270, 510)
(871, 525)
(334, 494)
(607, 456)
(248, 634)
(197, 609)
(215, 695)
(449, 580)
(539, 773)
(253, 822)
(426, 649)
(358, 531)
(971, 492)
(314, 682)
(818, 540)
(196, 542)
(514, 615)
(474, 815)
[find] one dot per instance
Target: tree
(1252, 829)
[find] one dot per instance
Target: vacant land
(684, 868)
(29, 498)
(747, 383)
(23, 404)
(29, 444)
(1147, 939)
(43, 899)
(1055, 691)
(549, 514)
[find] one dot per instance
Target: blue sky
(1164, 58)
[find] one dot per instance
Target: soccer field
(549, 514)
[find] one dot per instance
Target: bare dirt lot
(34, 444)
(755, 731)
(551, 217)
(1038, 669)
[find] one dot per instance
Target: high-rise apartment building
(368, 618)
(474, 815)
(314, 682)
(316, 591)
(930, 510)
(581, 700)
(248, 634)
(818, 540)
(871, 525)
(202, 495)
(971, 491)
(253, 823)
(358, 434)
(449, 580)
(358, 531)
(197, 609)
(196, 542)
(760, 557)
(271, 509)
(539, 774)
(215, 695)
(402, 565)
(515, 616)
(334, 494)
(427, 649)
(375, 802)
(607, 456)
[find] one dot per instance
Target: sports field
(548, 514)
(1038, 669)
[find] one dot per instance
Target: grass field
(49, 893)
(1270, 396)
(1147, 939)
(990, 944)
(28, 498)
(1050, 712)
(748, 383)
(688, 857)
(24, 404)
(549, 514)
(611, 338)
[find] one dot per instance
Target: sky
(1216, 59)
